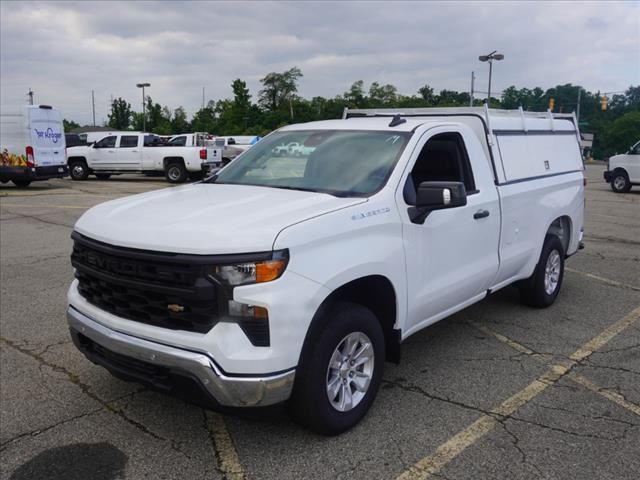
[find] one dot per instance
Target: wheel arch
(77, 159)
(619, 170)
(169, 160)
(375, 292)
(561, 227)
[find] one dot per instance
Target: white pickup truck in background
(293, 279)
(139, 153)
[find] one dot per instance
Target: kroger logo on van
(48, 133)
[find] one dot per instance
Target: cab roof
(361, 123)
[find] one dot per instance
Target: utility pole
(30, 95)
(144, 108)
(202, 98)
(490, 57)
(578, 107)
(93, 107)
(473, 77)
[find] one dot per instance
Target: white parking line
(453, 447)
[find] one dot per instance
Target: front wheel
(620, 183)
(78, 170)
(541, 289)
(176, 173)
(340, 372)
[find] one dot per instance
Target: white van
(32, 145)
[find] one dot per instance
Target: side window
(128, 141)
(443, 159)
(178, 141)
(151, 140)
(107, 142)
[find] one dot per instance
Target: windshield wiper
(334, 193)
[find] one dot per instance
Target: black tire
(103, 176)
(535, 291)
(620, 182)
(78, 170)
(175, 172)
(310, 404)
(21, 183)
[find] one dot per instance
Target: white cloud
(64, 50)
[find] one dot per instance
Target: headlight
(254, 272)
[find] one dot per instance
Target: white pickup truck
(139, 153)
(293, 279)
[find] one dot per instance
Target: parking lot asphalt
(498, 390)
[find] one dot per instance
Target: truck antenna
(397, 120)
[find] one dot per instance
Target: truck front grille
(160, 289)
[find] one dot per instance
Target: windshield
(339, 162)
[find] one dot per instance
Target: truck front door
(103, 154)
(452, 256)
(129, 154)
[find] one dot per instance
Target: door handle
(110, 151)
(481, 214)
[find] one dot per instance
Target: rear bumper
(157, 365)
(34, 173)
(607, 176)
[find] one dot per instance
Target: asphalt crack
(86, 389)
(49, 222)
(34, 433)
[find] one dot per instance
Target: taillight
(29, 150)
(203, 154)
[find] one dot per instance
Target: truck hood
(205, 218)
(78, 150)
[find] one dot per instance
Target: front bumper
(607, 176)
(245, 391)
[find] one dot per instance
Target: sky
(65, 50)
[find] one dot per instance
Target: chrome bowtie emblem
(175, 308)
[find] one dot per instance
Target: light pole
(144, 108)
(490, 58)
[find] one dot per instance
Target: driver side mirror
(432, 196)
(440, 195)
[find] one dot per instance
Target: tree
(69, 125)
(179, 122)
(426, 92)
(279, 88)
(120, 115)
(355, 96)
(621, 134)
(158, 118)
(204, 120)
(382, 95)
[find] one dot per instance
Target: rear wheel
(22, 183)
(541, 289)
(620, 182)
(175, 172)
(78, 170)
(340, 372)
(103, 176)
